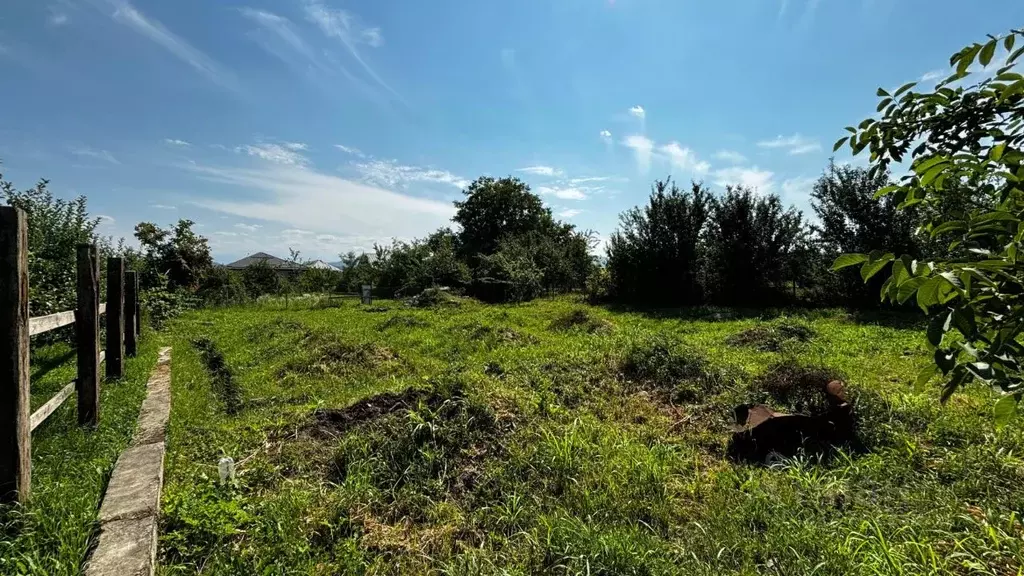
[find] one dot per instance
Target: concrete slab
(134, 489)
(156, 408)
(126, 548)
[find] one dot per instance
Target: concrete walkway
(131, 506)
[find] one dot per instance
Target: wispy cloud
(248, 227)
(797, 190)
(562, 192)
(304, 199)
(588, 179)
(606, 135)
(730, 156)
(643, 149)
(152, 29)
(87, 152)
(176, 142)
(569, 213)
(541, 171)
(285, 153)
(759, 180)
(391, 174)
(57, 17)
(638, 112)
(350, 150)
(343, 26)
(795, 144)
(933, 75)
(684, 158)
(163, 207)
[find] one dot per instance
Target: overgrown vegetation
(439, 445)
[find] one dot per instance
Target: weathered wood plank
(44, 411)
(115, 318)
(15, 412)
(131, 301)
(41, 324)
(87, 334)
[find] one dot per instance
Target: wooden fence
(16, 327)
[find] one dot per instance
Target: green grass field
(70, 465)
(555, 437)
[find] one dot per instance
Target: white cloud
(295, 146)
(795, 144)
(638, 111)
(569, 213)
(350, 150)
(606, 135)
(126, 14)
(163, 207)
(684, 158)
(562, 192)
(643, 148)
(759, 180)
(541, 171)
(342, 26)
(277, 153)
(248, 227)
(94, 153)
(577, 181)
(176, 142)
(391, 174)
(797, 190)
(730, 156)
(304, 199)
(57, 18)
(933, 75)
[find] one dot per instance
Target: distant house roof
(321, 265)
(262, 257)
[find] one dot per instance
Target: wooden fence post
(138, 308)
(15, 414)
(87, 334)
(115, 318)
(131, 299)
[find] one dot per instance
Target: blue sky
(327, 125)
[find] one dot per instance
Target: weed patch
(659, 364)
(580, 319)
(772, 337)
(494, 336)
(221, 379)
(403, 321)
(434, 298)
(327, 355)
(796, 387)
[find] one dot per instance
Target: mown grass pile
(560, 438)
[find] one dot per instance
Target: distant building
(280, 264)
(321, 265)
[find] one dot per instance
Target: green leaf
(945, 359)
(997, 151)
(987, 52)
(1005, 410)
(1008, 42)
(839, 143)
(881, 92)
(881, 105)
(886, 190)
(848, 260)
(932, 172)
(928, 293)
(951, 226)
(963, 320)
(937, 328)
(926, 374)
(924, 165)
(904, 88)
(875, 265)
(908, 288)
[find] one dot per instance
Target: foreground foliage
(561, 438)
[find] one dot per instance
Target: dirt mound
(494, 335)
(221, 379)
(340, 420)
(773, 337)
(580, 319)
(797, 387)
(403, 321)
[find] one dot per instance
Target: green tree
(654, 256)
(260, 279)
(852, 219)
(495, 209)
(177, 253)
(55, 228)
(751, 242)
(959, 136)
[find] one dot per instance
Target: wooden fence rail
(16, 328)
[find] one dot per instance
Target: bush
(260, 279)
(509, 275)
(222, 287)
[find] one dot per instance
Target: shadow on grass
(906, 319)
(49, 358)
